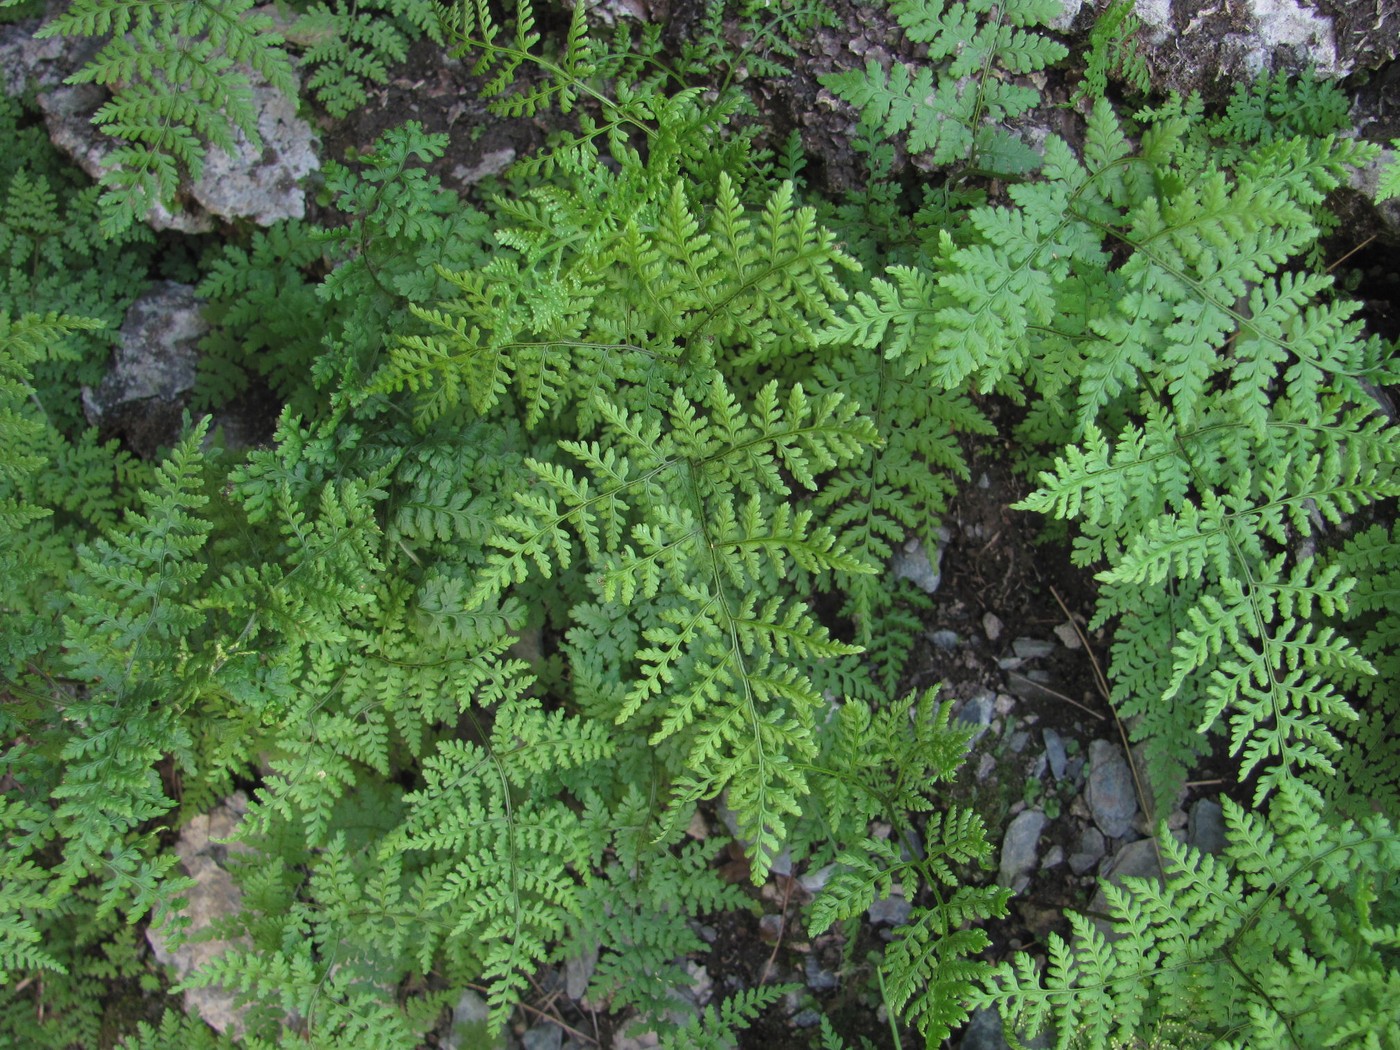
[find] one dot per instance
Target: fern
(953, 108)
(352, 46)
(1114, 51)
(1284, 942)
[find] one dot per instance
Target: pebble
(914, 564)
(1135, 860)
(986, 766)
(977, 711)
(992, 626)
(1055, 753)
(1068, 636)
(1018, 846)
(1005, 704)
(945, 640)
(578, 971)
(1032, 648)
(983, 1032)
(818, 978)
(815, 881)
(1090, 852)
(1206, 827)
(1054, 858)
(1110, 794)
(1032, 685)
(1019, 740)
(892, 911)
(807, 1018)
(543, 1037)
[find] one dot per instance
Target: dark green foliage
(350, 47)
(952, 107)
(1114, 51)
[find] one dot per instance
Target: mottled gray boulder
(143, 396)
(261, 184)
(1111, 796)
(213, 898)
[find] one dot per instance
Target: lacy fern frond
(350, 47)
(954, 108)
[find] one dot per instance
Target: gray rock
(992, 626)
(1135, 860)
(1068, 636)
(914, 564)
(806, 1018)
(578, 971)
(1053, 858)
(213, 898)
(1032, 648)
(977, 711)
(1018, 741)
(1110, 794)
(1206, 828)
(1055, 753)
(1090, 852)
(143, 395)
(819, 979)
(1069, 12)
(470, 1029)
(891, 911)
(1383, 216)
(983, 1032)
(945, 640)
(543, 1037)
(1018, 847)
(1033, 685)
(260, 184)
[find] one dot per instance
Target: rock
(702, 985)
(1110, 794)
(1055, 753)
(977, 711)
(1018, 847)
(1206, 827)
(578, 971)
(543, 1037)
(1091, 850)
(1068, 636)
(890, 911)
(1019, 740)
(819, 979)
(1069, 12)
(1033, 685)
(983, 1032)
(992, 626)
(914, 564)
(142, 398)
(214, 897)
(806, 1018)
(945, 640)
(815, 881)
(641, 1041)
(1135, 860)
(1054, 858)
(1381, 216)
(469, 1026)
(782, 863)
(1032, 648)
(258, 184)
(492, 163)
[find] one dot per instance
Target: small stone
(1054, 858)
(1005, 704)
(1135, 860)
(819, 979)
(1090, 851)
(986, 766)
(470, 1030)
(808, 1018)
(1032, 648)
(977, 711)
(945, 640)
(1018, 846)
(578, 971)
(815, 881)
(891, 911)
(992, 626)
(1068, 636)
(701, 984)
(1032, 685)
(983, 1032)
(1111, 796)
(914, 564)
(770, 928)
(1206, 827)
(1019, 740)
(1055, 753)
(543, 1037)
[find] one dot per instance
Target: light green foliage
(1389, 185)
(527, 572)
(1286, 941)
(955, 105)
